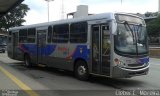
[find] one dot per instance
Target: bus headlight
(119, 63)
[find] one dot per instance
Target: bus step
(42, 65)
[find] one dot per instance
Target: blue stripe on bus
(81, 52)
(144, 60)
(32, 49)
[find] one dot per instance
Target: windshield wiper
(134, 36)
(139, 29)
(130, 29)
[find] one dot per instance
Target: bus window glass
(106, 40)
(130, 19)
(49, 38)
(10, 33)
(9, 39)
(78, 33)
(131, 39)
(23, 36)
(60, 33)
(9, 36)
(31, 35)
(54, 36)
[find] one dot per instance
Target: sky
(38, 12)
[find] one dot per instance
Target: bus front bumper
(127, 73)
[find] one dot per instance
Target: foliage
(153, 27)
(151, 14)
(14, 17)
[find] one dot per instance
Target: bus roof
(108, 16)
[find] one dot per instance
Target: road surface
(53, 82)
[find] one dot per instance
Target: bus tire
(27, 62)
(81, 70)
(3, 51)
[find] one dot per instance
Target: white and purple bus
(111, 44)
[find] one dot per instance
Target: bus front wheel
(81, 70)
(27, 61)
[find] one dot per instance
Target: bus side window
(78, 32)
(23, 36)
(49, 37)
(61, 33)
(9, 37)
(31, 35)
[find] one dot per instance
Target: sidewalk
(154, 60)
(5, 59)
(13, 79)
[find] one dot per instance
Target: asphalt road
(53, 82)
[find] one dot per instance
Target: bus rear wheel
(3, 51)
(27, 61)
(81, 70)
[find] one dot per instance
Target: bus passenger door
(41, 46)
(101, 49)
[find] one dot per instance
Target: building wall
(154, 52)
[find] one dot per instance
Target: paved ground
(52, 82)
(47, 81)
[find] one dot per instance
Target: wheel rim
(82, 70)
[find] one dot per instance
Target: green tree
(153, 27)
(151, 14)
(14, 17)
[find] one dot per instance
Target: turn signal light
(116, 61)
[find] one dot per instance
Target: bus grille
(135, 65)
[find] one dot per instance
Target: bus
(3, 41)
(113, 45)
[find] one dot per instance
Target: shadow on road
(111, 82)
(115, 83)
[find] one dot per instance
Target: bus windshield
(131, 38)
